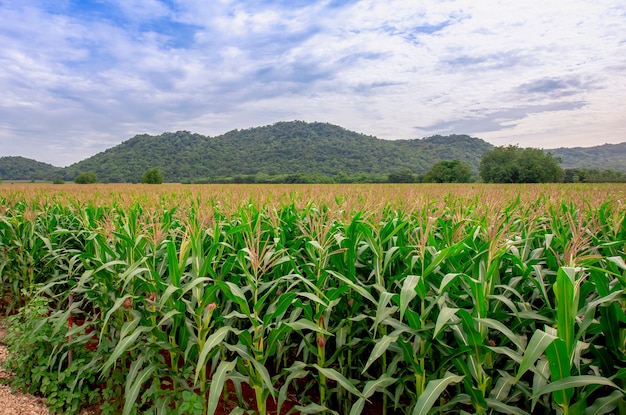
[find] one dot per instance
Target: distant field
(375, 299)
(345, 197)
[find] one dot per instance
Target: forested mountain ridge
(294, 147)
(22, 168)
(281, 148)
(606, 156)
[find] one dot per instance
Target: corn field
(404, 299)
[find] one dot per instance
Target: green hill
(282, 148)
(606, 156)
(285, 148)
(22, 168)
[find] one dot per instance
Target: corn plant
(406, 299)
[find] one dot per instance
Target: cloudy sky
(80, 76)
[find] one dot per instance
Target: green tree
(86, 178)
(449, 171)
(401, 176)
(512, 164)
(152, 176)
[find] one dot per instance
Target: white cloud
(534, 73)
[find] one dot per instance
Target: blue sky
(80, 76)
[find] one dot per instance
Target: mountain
(282, 148)
(286, 148)
(22, 168)
(606, 156)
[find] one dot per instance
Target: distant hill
(22, 168)
(606, 156)
(294, 147)
(281, 148)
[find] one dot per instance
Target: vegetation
(152, 176)
(512, 164)
(594, 176)
(606, 156)
(21, 168)
(449, 171)
(403, 176)
(283, 148)
(286, 152)
(86, 178)
(429, 299)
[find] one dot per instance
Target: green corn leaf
(502, 387)
(618, 260)
(496, 325)
(313, 298)
(169, 291)
(194, 283)
(442, 256)
(370, 388)
(132, 391)
(283, 303)
(541, 374)
(261, 370)
(167, 317)
(296, 371)
(314, 408)
(235, 294)
(536, 346)
(380, 347)
(566, 306)
(559, 361)
(355, 286)
(304, 324)
(504, 408)
(469, 333)
(125, 344)
(573, 382)
(214, 340)
(217, 384)
(434, 388)
(605, 404)
(407, 293)
(447, 280)
(118, 303)
(445, 315)
(382, 311)
(339, 378)
(516, 357)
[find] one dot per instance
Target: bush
(86, 178)
(449, 171)
(152, 176)
(512, 164)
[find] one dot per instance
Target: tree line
(507, 164)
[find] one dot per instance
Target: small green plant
(152, 176)
(38, 358)
(86, 178)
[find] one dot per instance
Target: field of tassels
(329, 299)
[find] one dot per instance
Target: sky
(80, 76)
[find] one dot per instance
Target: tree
(512, 164)
(401, 176)
(449, 171)
(152, 176)
(86, 178)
